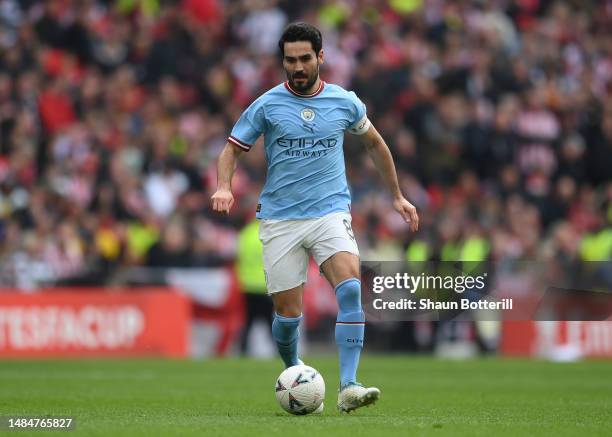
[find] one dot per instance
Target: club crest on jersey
(307, 114)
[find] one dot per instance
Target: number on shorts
(349, 229)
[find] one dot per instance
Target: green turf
(420, 396)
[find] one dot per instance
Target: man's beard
(303, 86)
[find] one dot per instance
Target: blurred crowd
(112, 114)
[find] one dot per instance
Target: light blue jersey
(303, 137)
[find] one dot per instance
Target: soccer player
(304, 206)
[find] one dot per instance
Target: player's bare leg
(342, 272)
(340, 267)
(288, 303)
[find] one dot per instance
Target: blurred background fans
(112, 114)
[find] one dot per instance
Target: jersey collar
(295, 93)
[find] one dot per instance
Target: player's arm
(381, 155)
(223, 199)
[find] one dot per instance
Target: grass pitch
(420, 396)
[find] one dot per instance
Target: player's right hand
(222, 201)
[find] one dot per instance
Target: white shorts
(288, 243)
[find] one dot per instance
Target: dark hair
(301, 32)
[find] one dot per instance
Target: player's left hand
(408, 212)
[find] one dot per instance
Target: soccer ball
(300, 389)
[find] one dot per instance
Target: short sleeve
(359, 123)
(249, 127)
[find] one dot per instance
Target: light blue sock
(285, 332)
(350, 326)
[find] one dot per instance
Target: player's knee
(288, 309)
(348, 295)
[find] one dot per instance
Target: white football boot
(355, 395)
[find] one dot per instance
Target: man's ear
(321, 57)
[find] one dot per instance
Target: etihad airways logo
(307, 147)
